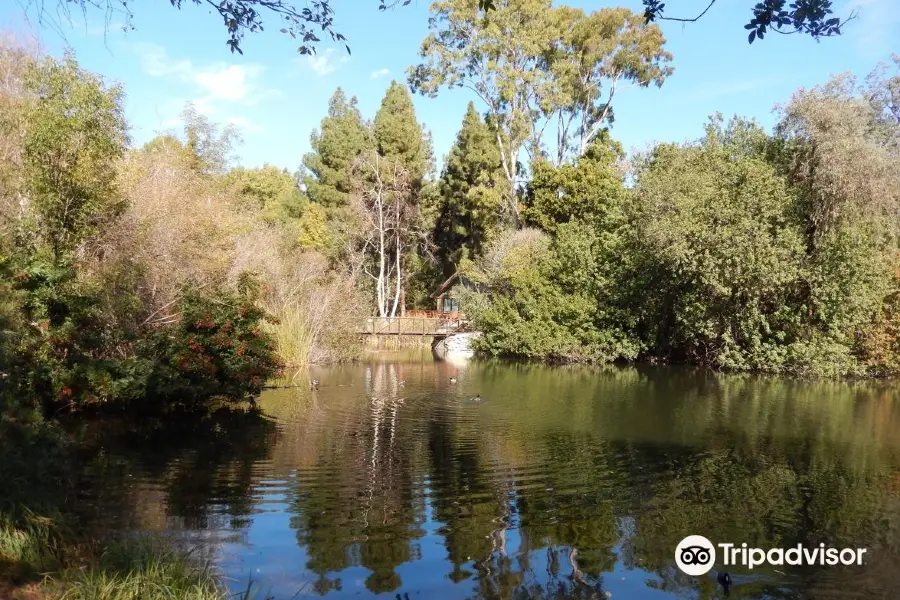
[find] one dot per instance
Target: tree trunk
(514, 202)
(397, 275)
(508, 161)
(382, 284)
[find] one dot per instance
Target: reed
(293, 334)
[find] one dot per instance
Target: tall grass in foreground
(144, 568)
(28, 550)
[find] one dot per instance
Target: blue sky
(276, 97)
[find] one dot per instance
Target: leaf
(751, 37)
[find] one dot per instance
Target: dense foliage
(127, 273)
(150, 278)
(219, 348)
(535, 65)
(743, 250)
(371, 196)
(469, 203)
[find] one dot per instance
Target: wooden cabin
(446, 299)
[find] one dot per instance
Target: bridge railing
(433, 314)
(412, 325)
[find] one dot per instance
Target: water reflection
(562, 483)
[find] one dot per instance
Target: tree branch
(685, 20)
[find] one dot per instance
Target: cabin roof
(442, 289)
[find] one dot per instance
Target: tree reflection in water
(562, 483)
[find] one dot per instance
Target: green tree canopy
(538, 69)
(399, 136)
(76, 130)
(210, 145)
(206, 148)
(594, 55)
(586, 191)
(342, 136)
(269, 190)
(721, 233)
(470, 190)
(837, 145)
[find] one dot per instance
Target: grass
(32, 460)
(293, 336)
(30, 548)
(304, 335)
(143, 568)
(32, 555)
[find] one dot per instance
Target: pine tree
(471, 188)
(398, 135)
(342, 136)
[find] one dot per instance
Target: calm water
(560, 483)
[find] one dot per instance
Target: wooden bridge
(436, 325)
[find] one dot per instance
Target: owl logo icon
(695, 555)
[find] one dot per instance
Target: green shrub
(78, 357)
(219, 348)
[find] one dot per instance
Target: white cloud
(158, 63)
(203, 106)
(321, 64)
(262, 95)
(217, 81)
(227, 82)
(215, 89)
(381, 73)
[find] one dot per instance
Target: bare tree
(383, 198)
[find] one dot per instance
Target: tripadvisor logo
(695, 555)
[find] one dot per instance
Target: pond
(392, 480)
